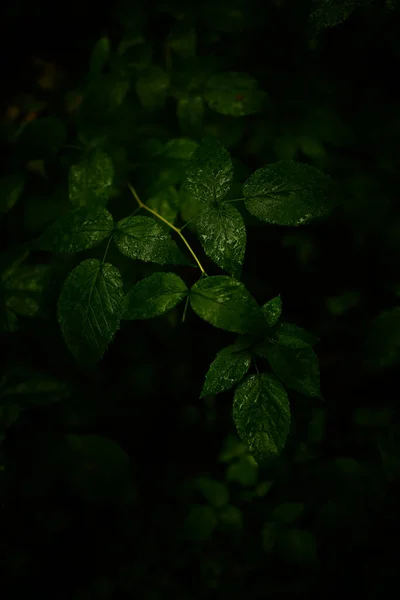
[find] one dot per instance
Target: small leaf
(288, 193)
(293, 336)
(154, 296)
(152, 87)
(80, 229)
(243, 471)
(41, 138)
(223, 236)
(272, 310)
(89, 309)
(225, 303)
(11, 188)
(297, 368)
(146, 239)
(262, 415)
(215, 492)
(230, 518)
(287, 512)
(99, 57)
(234, 94)
(209, 175)
(230, 366)
(200, 522)
(91, 179)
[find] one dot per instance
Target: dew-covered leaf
(225, 303)
(210, 172)
(262, 415)
(89, 309)
(272, 310)
(146, 239)
(288, 193)
(228, 368)
(80, 229)
(222, 234)
(154, 296)
(91, 179)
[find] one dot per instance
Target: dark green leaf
(293, 336)
(383, 339)
(317, 426)
(200, 522)
(154, 296)
(146, 239)
(209, 175)
(230, 365)
(89, 309)
(230, 518)
(180, 148)
(81, 229)
(190, 112)
(297, 368)
(182, 40)
(90, 180)
(262, 415)
(165, 203)
(287, 512)
(288, 193)
(28, 388)
(297, 545)
(215, 492)
(11, 188)
(25, 290)
(225, 303)
(99, 57)
(102, 97)
(330, 13)
(272, 310)
(367, 417)
(152, 88)
(243, 471)
(223, 236)
(234, 94)
(41, 138)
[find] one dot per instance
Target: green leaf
(91, 179)
(27, 388)
(89, 309)
(215, 492)
(288, 193)
(297, 368)
(383, 339)
(182, 40)
(293, 336)
(165, 203)
(190, 113)
(152, 88)
(272, 310)
(222, 234)
(330, 13)
(102, 97)
(80, 229)
(243, 471)
(229, 367)
(146, 239)
(287, 512)
(230, 518)
(99, 56)
(225, 303)
(234, 94)
(262, 415)
(298, 545)
(25, 290)
(11, 188)
(210, 173)
(200, 523)
(180, 148)
(41, 138)
(154, 296)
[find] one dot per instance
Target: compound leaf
(262, 414)
(225, 303)
(80, 229)
(89, 309)
(228, 368)
(288, 193)
(154, 296)
(222, 234)
(210, 172)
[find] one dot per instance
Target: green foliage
(89, 309)
(262, 415)
(288, 193)
(152, 87)
(99, 57)
(272, 310)
(209, 175)
(11, 189)
(154, 296)
(230, 366)
(287, 513)
(90, 180)
(234, 94)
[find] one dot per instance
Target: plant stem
(234, 200)
(107, 247)
(185, 309)
(176, 229)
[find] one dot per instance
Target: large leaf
(154, 296)
(209, 175)
(146, 239)
(262, 415)
(89, 309)
(297, 368)
(223, 236)
(288, 193)
(225, 303)
(234, 94)
(81, 229)
(11, 188)
(229, 367)
(90, 180)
